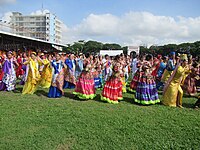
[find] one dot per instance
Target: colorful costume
(189, 84)
(9, 78)
(24, 67)
(19, 70)
(156, 66)
(173, 93)
(1, 74)
(112, 91)
(70, 80)
(123, 80)
(146, 92)
(136, 76)
(56, 88)
(1, 70)
(107, 72)
(159, 75)
(97, 79)
(168, 71)
(33, 77)
(46, 74)
(85, 88)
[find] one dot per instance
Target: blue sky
(74, 12)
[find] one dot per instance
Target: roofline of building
(33, 39)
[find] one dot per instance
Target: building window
(43, 29)
(21, 24)
(21, 19)
(37, 23)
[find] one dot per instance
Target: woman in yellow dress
(173, 93)
(33, 75)
(46, 74)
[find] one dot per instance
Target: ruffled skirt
(85, 88)
(8, 82)
(146, 93)
(112, 91)
(54, 92)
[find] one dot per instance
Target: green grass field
(37, 122)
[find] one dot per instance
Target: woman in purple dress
(9, 78)
(146, 92)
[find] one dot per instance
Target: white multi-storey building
(45, 26)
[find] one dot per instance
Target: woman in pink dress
(85, 87)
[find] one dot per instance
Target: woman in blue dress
(70, 80)
(56, 88)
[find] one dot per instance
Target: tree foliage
(95, 47)
(113, 46)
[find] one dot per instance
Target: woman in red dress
(112, 91)
(19, 70)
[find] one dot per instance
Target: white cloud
(135, 28)
(4, 2)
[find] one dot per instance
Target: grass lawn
(37, 122)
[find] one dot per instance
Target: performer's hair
(87, 55)
(149, 57)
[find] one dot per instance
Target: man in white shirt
(134, 63)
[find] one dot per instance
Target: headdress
(9, 52)
(34, 53)
(184, 57)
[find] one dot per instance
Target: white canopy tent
(111, 52)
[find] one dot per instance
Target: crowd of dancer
(174, 74)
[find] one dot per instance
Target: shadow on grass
(129, 100)
(188, 105)
(18, 90)
(41, 93)
(98, 99)
(71, 96)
